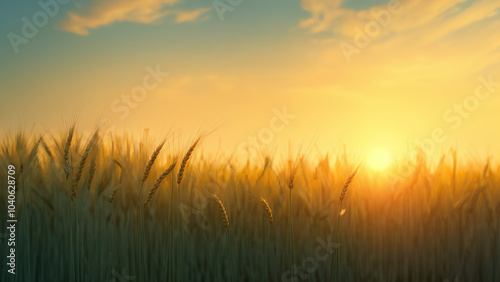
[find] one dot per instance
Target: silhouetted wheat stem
(267, 229)
(26, 221)
(291, 185)
(343, 194)
(68, 170)
(142, 234)
(180, 176)
(225, 221)
(29, 160)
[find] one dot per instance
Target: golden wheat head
(185, 161)
(152, 161)
(223, 212)
(347, 184)
(268, 210)
(158, 182)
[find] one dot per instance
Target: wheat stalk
(291, 185)
(268, 210)
(347, 184)
(147, 170)
(223, 212)
(79, 172)
(67, 146)
(184, 162)
(113, 193)
(225, 221)
(343, 194)
(151, 161)
(158, 182)
(291, 182)
(31, 156)
(293, 172)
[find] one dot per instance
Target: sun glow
(380, 159)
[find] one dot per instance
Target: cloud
(425, 38)
(102, 13)
(187, 16)
(447, 15)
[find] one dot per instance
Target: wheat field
(119, 208)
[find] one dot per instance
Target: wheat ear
(158, 182)
(152, 161)
(268, 210)
(223, 212)
(184, 162)
(113, 193)
(347, 184)
(79, 172)
(67, 146)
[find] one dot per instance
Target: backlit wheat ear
(293, 172)
(268, 210)
(152, 161)
(291, 183)
(113, 193)
(79, 172)
(185, 161)
(67, 167)
(158, 182)
(347, 184)
(223, 212)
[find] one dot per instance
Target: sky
(367, 74)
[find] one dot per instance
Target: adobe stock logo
(39, 20)
(364, 37)
(221, 7)
(267, 135)
(139, 93)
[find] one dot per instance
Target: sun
(380, 159)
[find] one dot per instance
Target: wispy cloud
(102, 13)
(446, 15)
(451, 35)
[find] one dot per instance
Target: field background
(430, 223)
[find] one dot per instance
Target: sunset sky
(362, 73)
